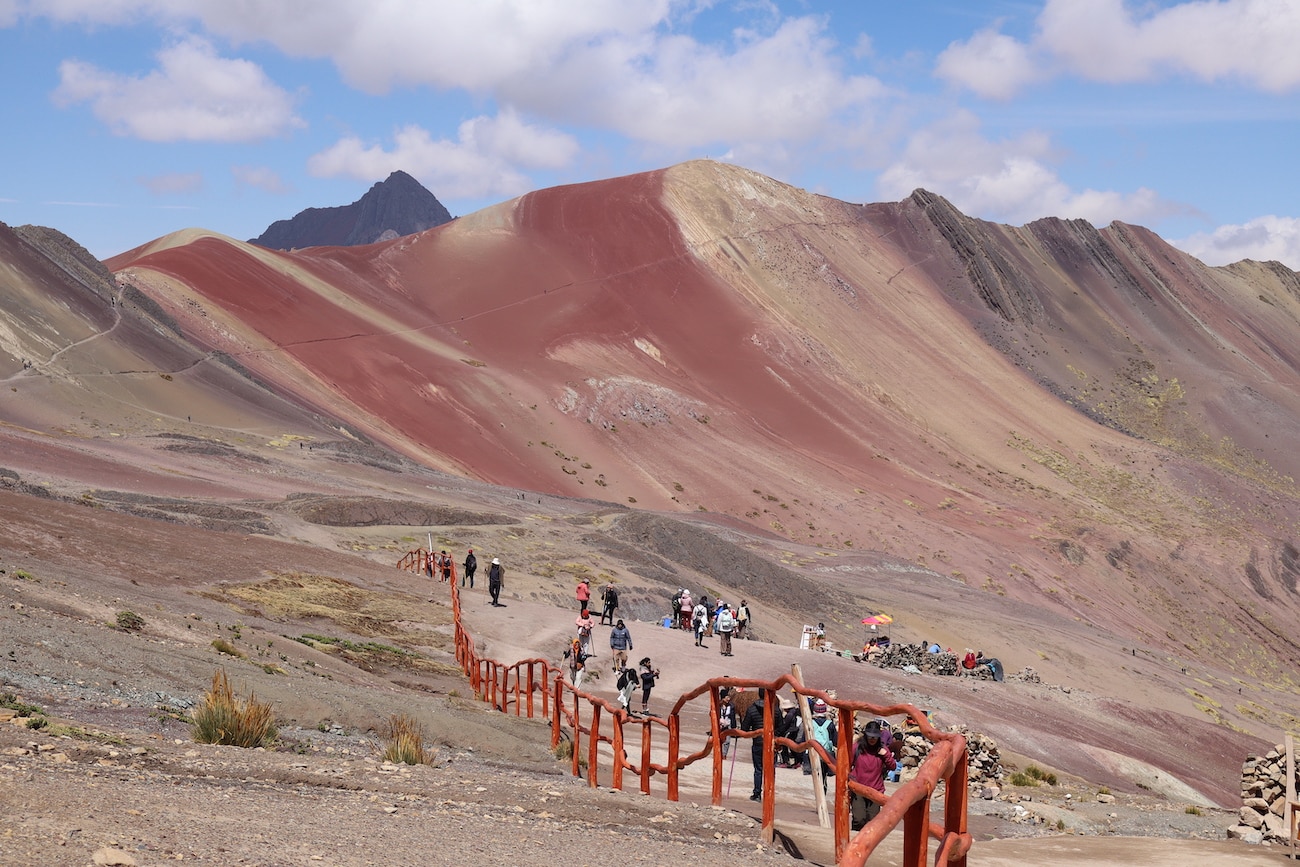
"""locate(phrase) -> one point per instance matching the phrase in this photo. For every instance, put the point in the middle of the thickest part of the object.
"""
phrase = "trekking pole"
(733, 766)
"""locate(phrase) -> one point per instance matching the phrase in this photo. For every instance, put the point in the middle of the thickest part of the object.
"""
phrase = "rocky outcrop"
(1263, 799)
(391, 209)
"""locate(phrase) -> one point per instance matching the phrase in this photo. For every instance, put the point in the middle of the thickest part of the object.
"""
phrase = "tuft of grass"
(21, 708)
(129, 621)
(1193, 810)
(1104, 790)
(1041, 775)
(24, 575)
(222, 718)
(220, 645)
(1060, 824)
(406, 742)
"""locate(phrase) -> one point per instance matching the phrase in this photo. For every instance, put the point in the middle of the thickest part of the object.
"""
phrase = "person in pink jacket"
(871, 761)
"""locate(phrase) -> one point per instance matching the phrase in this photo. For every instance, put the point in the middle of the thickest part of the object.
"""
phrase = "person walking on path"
(444, 563)
(620, 642)
(584, 596)
(824, 732)
(700, 616)
(742, 620)
(753, 722)
(627, 683)
(871, 761)
(610, 599)
(585, 625)
(496, 579)
(649, 674)
(687, 605)
(726, 720)
(471, 566)
(726, 625)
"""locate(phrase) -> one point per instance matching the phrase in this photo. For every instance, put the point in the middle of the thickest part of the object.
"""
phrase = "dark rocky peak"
(397, 206)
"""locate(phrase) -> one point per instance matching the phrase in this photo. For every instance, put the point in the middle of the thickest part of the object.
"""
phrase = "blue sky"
(128, 119)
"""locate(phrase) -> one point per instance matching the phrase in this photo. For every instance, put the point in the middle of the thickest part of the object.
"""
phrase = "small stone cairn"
(983, 765)
(1263, 799)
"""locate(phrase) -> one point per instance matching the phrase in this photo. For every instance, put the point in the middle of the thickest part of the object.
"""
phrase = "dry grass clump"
(406, 742)
(222, 718)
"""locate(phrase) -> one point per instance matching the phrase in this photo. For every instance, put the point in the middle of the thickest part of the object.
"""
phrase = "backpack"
(822, 734)
(626, 677)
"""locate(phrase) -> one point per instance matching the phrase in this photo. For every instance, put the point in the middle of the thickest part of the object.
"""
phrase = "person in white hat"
(496, 578)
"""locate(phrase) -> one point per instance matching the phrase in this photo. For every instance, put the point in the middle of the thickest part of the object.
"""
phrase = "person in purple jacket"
(871, 761)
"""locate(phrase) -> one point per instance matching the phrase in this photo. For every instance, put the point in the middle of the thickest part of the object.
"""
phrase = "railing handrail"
(908, 805)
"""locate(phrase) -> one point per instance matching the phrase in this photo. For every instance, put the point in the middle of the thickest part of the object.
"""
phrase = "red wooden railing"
(517, 684)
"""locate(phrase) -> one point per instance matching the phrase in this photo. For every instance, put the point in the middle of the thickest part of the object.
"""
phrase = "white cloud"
(618, 64)
(259, 177)
(194, 95)
(990, 64)
(174, 183)
(1008, 181)
(1248, 40)
(676, 91)
(1113, 41)
(1264, 239)
(481, 162)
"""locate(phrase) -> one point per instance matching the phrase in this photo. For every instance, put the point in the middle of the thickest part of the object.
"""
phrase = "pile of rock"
(916, 656)
(1263, 797)
(983, 765)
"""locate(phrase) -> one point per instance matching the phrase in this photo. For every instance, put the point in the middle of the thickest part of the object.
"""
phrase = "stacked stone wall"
(1263, 798)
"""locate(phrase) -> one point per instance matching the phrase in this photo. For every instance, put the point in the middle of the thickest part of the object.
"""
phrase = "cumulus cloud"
(1010, 181)
(1263, 239)
(259, 177)
(617, 64)
(1248, 40)
(482, 161)
(990, 64)
(173, 183)
(194, 95)
(674, 90)
(1112, 41)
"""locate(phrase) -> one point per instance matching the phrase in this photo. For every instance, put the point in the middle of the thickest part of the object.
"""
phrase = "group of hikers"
(875, 751)
(440, 565)
(706, 620)
(579, 649)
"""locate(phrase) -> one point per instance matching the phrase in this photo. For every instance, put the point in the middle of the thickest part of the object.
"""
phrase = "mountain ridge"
(392, 208)
(1076, 443)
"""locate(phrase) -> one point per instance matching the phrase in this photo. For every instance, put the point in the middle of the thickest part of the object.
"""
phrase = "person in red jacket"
(871, 761)
(584, 596)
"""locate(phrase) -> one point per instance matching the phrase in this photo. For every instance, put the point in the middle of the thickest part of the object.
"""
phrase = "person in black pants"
(753, 722)
(496, 576)
(471, 566)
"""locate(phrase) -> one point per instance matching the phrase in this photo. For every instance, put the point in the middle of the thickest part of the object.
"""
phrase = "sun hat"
(496, 562)
(872, 729)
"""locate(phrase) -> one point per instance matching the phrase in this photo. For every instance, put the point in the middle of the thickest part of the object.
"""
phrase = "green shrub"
(1193, 811)
(1041, 775)
(1020, 778)
(130, 621)
(221, 718)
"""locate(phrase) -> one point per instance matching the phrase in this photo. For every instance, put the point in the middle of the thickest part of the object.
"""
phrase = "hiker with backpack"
(471, 566)
(825, 733)
(496, 576)
(726, 625)
(742, 620)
